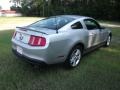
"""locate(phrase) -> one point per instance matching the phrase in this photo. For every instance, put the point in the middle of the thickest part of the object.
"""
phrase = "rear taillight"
(14, 34)
(37, 41)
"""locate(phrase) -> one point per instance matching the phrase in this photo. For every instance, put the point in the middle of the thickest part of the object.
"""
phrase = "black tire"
(108, 41)
(77, 58)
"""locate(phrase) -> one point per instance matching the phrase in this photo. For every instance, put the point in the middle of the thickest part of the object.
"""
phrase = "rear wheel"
(74, 57)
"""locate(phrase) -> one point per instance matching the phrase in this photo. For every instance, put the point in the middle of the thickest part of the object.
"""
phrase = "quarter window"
(77, 25)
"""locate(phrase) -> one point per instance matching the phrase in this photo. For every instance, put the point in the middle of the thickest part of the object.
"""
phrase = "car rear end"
(31, 44)
(42, 41)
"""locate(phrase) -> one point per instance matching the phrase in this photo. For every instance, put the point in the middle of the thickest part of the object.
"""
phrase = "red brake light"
(37, 41)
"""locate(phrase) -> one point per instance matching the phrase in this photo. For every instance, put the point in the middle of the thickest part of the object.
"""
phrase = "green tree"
(100, 9)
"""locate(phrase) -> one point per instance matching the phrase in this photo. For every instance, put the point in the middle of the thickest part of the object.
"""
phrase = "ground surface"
(98, 70)
(12, 22)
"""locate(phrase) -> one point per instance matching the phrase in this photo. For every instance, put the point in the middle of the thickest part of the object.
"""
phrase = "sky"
(5, 4)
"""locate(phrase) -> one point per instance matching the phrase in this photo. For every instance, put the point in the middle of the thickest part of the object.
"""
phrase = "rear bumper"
(50, 54)
(28, 59)
(33, 54)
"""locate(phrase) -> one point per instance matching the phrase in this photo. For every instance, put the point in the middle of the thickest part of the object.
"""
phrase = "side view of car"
(57, 39)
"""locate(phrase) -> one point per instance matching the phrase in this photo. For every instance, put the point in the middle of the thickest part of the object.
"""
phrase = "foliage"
(100, 9)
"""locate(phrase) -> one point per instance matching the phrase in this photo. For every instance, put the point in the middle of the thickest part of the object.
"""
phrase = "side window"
(91, 24)
(77, 25)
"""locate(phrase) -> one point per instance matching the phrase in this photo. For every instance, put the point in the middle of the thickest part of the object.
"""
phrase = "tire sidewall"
(69, 56)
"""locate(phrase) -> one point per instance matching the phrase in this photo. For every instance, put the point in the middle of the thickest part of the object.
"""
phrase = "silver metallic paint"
(59, 44)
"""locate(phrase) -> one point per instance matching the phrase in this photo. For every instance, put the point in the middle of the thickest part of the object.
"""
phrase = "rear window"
(52, 23)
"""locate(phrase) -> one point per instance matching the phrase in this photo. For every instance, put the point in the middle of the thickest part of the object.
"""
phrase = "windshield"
(52, 23)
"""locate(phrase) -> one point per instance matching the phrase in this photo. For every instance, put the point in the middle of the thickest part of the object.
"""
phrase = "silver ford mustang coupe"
(56, 39)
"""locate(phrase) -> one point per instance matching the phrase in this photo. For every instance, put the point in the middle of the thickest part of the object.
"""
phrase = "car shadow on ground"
(45, 67)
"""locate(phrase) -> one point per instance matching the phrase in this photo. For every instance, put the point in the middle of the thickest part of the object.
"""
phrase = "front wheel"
(74, 57)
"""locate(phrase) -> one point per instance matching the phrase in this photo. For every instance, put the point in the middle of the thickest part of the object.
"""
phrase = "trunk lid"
(42, 30)
(23, 34)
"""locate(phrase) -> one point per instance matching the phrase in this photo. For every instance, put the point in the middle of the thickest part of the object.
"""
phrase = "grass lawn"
(99, 70)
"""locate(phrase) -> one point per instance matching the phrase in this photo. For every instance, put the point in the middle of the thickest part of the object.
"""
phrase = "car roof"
(72, 16)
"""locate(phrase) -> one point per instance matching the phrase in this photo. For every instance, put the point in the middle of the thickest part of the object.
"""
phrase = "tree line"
(100, 9)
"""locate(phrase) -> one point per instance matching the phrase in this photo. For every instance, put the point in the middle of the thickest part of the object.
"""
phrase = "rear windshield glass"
(52, 23)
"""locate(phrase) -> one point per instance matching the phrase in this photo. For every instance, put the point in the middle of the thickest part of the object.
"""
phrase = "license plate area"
(19, 50)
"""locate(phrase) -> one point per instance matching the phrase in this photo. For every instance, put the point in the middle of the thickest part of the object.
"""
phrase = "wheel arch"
(72, 48)
(78, 44)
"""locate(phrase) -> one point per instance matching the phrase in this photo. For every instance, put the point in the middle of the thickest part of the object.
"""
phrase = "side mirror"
(102, 27)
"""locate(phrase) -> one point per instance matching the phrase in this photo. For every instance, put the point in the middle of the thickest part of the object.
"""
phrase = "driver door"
(93, 32)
